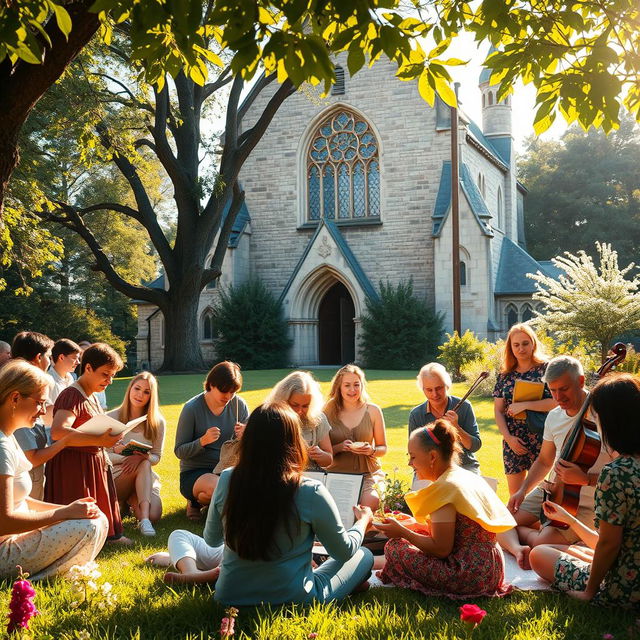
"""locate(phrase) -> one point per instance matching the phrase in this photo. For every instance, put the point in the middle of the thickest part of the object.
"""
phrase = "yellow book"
(526, 391)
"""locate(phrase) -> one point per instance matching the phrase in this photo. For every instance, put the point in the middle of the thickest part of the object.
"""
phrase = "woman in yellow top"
(357, 431)
(452, 550)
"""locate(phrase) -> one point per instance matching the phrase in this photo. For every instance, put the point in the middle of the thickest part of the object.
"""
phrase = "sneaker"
(146, 528)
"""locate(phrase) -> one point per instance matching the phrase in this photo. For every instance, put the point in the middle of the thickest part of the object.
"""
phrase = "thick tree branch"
(73, 220)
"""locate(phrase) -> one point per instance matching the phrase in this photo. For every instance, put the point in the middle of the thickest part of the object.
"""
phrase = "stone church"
(346, 191)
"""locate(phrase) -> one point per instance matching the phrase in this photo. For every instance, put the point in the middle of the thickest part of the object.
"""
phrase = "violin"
(582, 445)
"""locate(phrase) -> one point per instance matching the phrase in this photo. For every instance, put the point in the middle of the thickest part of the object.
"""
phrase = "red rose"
(472, 614)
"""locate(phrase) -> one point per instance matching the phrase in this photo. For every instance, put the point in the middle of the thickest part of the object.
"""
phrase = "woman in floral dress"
(522, 359)
(607, 571)
(452, 549)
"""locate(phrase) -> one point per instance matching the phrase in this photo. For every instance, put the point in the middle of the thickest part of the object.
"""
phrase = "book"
(344, 488)
(526, 391)
(133, 445)
(102, 423)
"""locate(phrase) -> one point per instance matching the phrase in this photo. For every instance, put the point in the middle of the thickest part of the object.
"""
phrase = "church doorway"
(337, 331)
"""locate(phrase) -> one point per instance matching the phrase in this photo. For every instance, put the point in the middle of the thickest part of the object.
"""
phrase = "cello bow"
(582, 445)
(472, 388)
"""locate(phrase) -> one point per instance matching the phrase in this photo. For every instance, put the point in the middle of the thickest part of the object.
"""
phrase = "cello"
(581, 446)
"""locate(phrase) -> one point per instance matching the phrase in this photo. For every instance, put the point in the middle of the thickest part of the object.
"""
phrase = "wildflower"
(312, 635)
(227, 623)
(21, 607)
(83, 635)
(607, 636)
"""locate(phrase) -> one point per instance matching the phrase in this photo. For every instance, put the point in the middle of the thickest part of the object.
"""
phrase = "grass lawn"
(146, 608)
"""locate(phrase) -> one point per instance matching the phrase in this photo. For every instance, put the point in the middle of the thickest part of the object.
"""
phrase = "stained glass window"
(343, 170)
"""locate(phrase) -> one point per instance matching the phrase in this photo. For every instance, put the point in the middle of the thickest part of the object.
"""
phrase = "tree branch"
(225, 233)
(223, 79)
(73, 220)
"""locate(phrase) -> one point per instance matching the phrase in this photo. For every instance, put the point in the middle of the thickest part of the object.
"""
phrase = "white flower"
(92, 586)
(105, 588)
(83, 635)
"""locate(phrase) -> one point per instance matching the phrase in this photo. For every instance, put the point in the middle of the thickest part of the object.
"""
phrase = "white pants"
(54, 549)
(184, 544)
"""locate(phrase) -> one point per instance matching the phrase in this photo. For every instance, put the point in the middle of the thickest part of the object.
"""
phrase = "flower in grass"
(607, 636)
(83, 635)
(21, 607)
(227, 623)
(472, 615)
(312, 635)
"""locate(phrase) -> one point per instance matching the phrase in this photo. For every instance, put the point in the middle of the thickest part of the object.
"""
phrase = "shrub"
(631, 364)
(399, 331)
(490, 361)
(458, 351)
(250, 327)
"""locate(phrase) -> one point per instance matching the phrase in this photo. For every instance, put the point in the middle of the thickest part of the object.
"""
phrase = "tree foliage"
(250, 327)
(582, 58)
(582, 189)
(460, 350)
(587, 302)
(399, 331)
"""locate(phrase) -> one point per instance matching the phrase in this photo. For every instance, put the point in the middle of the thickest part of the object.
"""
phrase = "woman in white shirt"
(136, 482)
(43, 538)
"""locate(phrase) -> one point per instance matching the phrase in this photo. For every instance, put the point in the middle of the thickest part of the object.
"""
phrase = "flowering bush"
(84, 583)
(21, 607)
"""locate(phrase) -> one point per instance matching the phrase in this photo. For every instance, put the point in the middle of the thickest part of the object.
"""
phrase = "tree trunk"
(182, 337)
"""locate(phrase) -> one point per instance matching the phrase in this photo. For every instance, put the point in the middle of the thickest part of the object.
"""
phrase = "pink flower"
(607, 636)
(312, 635)
(226, 627)
(472, 614)
(21, 607)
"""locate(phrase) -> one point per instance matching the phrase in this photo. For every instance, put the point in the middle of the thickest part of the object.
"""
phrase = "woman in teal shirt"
(268, 515)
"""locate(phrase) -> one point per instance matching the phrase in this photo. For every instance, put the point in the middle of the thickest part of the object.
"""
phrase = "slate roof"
(513, 267)
(473, 195)
(345, 249)
(485, 74)
(498, 148)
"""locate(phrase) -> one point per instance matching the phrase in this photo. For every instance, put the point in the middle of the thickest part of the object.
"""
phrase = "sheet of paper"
(102, 423)
(320, 476)
(345, 489)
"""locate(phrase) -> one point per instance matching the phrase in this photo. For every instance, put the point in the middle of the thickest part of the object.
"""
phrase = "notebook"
(526, 391)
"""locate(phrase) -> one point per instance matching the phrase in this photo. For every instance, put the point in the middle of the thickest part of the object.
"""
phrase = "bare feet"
(122, 541)
(522, 557)
(193, 513)
(195, 577)
(160, 559)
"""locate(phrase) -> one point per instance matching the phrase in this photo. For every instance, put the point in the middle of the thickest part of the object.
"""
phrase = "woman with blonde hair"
(523, 358)
(302, 393)
(357, 431)
(136, 482)
(43, 538)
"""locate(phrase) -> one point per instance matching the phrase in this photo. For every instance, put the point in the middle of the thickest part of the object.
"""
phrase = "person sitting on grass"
(44, 538)
(206, 422)
(136, 482)
(607, 571)
(456, 553)
(302, 393)
(268, 542)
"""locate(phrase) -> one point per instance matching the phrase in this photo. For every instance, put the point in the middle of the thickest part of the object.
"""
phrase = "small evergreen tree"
(250, 326)
(460, 350)
(399, 331)
(586, 302)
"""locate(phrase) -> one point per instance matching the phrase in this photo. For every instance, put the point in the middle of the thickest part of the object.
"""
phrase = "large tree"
(583, 59)
(582, 189)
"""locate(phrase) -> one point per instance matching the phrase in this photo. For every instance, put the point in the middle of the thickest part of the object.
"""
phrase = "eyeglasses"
(41, 404)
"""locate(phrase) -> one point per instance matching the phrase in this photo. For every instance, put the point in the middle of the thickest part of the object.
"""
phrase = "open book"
(344, 488)
(133, 445)
(102, 423)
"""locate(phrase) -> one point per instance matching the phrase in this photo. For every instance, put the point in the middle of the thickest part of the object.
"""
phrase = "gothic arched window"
(527, 312)
(343, 170)
(512, 315)
(207, 325)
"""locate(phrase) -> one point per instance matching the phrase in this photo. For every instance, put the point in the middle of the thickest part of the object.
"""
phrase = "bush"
(490, 361)
(631, 364)
(250, 327)
(399, 331)
(459, 351)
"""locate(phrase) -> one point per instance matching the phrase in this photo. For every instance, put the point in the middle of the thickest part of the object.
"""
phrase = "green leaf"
(355, 59)
(63, 20)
